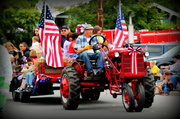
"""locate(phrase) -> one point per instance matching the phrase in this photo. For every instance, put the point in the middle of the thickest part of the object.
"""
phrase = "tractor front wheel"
(139, 95)
(128, 98)
(70, 88)
(149, 86)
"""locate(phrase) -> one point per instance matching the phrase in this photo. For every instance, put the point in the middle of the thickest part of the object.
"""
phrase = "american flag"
(50, 39)
(121, 32)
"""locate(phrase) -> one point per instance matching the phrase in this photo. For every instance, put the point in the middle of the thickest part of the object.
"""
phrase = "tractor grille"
(126, 63)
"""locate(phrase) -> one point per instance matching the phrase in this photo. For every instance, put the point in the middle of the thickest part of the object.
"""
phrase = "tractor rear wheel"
(90, 95)
(15, 95)
(85, 95)
(139, 98)
(128, 98)
(70, 88)
(149, 86)
(24, 96)
(95, 95)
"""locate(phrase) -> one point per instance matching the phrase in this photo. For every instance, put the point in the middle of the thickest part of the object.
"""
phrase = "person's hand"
(167, 67)
(105, 43)
(88, 47)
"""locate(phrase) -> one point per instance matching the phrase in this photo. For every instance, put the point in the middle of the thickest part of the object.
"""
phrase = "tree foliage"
(18, 14)
(144, 15)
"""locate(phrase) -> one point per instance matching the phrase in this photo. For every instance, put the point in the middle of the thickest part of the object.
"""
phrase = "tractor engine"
(126, 64)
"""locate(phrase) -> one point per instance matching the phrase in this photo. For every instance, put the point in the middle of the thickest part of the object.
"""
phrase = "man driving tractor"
(86, 52)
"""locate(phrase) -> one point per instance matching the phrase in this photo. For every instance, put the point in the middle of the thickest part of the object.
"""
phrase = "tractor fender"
(79, 68)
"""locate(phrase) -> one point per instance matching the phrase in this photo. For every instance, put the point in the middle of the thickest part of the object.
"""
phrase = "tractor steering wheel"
(96, 45)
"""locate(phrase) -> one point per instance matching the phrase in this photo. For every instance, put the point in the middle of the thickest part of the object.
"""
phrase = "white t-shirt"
(65, 47)
(35, 45)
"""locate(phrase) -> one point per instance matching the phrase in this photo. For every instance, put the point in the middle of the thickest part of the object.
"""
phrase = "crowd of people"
(167, 77)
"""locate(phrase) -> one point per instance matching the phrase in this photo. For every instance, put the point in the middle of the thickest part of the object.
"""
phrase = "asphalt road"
(49, 107)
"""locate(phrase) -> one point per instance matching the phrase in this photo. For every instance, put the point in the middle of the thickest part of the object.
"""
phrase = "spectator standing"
(13, 51)
(5, 78)
(85, 51)
(24, 52)
(14, 54)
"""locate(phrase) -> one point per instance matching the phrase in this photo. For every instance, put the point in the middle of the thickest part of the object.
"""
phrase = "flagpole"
(44, 4)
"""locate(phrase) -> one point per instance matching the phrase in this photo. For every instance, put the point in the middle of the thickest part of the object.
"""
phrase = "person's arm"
(79, 50)
(26, 54)
(87, 47)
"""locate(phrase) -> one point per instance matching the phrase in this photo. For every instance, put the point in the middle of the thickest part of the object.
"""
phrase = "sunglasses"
(63, 30)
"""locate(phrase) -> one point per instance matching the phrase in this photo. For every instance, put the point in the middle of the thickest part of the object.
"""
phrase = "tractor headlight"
(116, 54)
(146, 54)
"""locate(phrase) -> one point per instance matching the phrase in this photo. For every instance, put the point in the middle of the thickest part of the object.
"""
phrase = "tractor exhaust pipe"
(130, 30)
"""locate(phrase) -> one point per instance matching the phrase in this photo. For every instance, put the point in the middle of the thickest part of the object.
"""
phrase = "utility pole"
(100, 13)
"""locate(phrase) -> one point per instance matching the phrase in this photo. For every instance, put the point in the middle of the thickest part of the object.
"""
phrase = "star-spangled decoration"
(118, 21)
(48, 13)
(41, 21)
(121, 32)
(50, 39)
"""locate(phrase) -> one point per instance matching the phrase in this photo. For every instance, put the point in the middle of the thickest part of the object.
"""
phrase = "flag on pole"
(50, 39)
(121, 32)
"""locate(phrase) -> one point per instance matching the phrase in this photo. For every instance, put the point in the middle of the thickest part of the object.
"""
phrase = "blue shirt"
(63, 40)
(81, 41)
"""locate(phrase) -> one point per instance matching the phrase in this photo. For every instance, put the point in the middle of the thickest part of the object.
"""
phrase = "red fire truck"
(150, 37)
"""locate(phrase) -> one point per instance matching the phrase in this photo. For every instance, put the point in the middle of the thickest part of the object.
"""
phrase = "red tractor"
(126, 73)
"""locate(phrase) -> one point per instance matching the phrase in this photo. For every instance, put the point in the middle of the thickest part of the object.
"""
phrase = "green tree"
(18, 14)
(144, 15)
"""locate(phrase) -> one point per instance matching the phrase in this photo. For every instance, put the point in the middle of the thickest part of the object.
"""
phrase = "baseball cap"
(64, 27)
(88, 26)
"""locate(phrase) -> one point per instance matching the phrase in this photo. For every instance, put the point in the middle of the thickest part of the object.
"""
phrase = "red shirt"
(71, 48)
